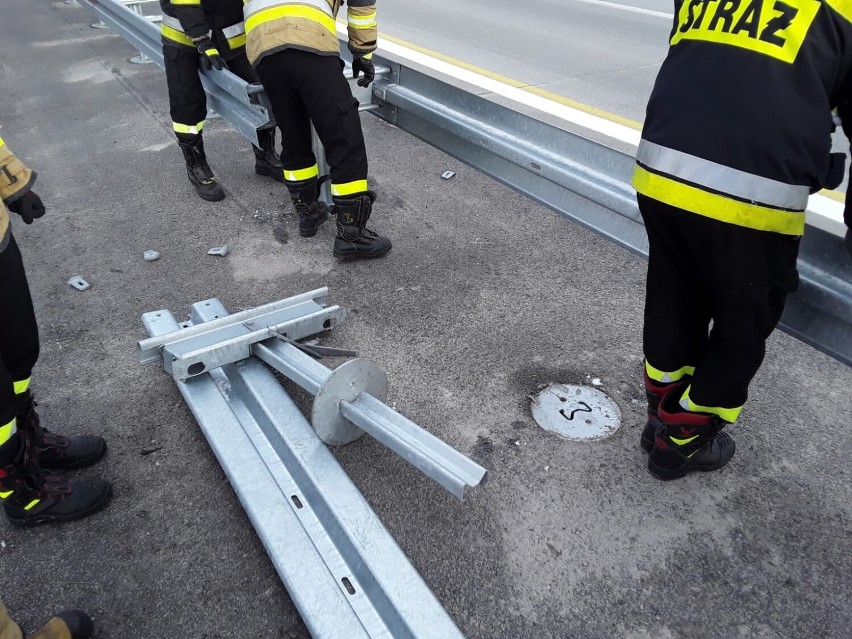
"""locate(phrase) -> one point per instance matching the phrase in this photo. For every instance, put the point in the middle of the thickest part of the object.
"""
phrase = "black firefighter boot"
(354, 239)
(687, 442)
(32, 496)
(266, 160)
(197, 169)
(55, 451)
(305, 197)
(655, 391)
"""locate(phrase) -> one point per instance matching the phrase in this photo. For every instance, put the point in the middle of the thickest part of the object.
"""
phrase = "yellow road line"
(518, 85)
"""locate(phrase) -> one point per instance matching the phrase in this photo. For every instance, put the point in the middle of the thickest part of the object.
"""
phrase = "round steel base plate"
(576, 412)
(346, 382)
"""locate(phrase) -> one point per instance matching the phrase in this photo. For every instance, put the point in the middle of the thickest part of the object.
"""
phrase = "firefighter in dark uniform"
(211, 32)
(31, 496)
(293, 45)
(737, 135)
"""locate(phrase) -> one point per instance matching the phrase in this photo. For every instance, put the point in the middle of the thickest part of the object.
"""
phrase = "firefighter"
(294, 47)
(68, 624)
(737, 135)
(31, 495)
(210, 32)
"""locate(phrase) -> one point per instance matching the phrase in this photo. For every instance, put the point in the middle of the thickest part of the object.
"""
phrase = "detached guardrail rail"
(585, 180)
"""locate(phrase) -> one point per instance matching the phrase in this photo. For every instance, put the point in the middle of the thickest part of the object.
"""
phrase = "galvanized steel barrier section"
(344, 571)
(583, 179)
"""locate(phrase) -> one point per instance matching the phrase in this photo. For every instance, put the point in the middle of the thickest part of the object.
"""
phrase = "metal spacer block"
(346, 383)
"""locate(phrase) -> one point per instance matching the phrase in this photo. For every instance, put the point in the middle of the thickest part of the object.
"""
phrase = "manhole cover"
(576, 412)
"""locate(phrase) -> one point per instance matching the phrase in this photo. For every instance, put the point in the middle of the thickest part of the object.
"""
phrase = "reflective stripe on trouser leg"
(728, 414)
(297, 175)
(664, 377)
(348, 189)
(187, 100)
(22, 386)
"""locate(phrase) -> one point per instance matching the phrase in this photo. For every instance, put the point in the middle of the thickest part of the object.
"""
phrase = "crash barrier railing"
(585, 180)
(343, 570)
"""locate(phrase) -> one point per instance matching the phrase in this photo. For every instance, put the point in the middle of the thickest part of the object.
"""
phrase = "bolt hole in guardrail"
(348, 585)
(296, 501)
(576, 412)
(195, 369)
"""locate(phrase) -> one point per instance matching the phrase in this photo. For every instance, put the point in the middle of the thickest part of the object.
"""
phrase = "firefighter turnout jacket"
(738, 126)
(222, 20)
(15, 180)
(274, 25)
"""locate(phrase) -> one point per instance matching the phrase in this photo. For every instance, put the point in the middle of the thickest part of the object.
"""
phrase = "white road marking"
(627, 7)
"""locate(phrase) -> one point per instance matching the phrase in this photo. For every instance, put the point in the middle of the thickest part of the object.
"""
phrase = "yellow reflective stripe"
(367, 21)
(177, 36)
(188, 128)
(301, 174)
(683, 442)
(718, 207)
(211, 52)
(7, 430)
(237, 41)
(2, 142)
(22, 386)
(5, 495)
(664, 376)
(342, 190)
(196, 3)
(843, 7)
(369, 56)
(292, 11)
(30, 505)
(728, 414)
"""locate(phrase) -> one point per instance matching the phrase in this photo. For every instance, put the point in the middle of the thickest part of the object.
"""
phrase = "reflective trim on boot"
(354, 239)
(50, 450)
(687, 442)
(32, 496)
(198, 171)
(266, 160)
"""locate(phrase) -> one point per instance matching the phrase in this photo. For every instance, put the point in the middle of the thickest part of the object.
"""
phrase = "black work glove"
(29, 206)
(365, 64)
(210, 54)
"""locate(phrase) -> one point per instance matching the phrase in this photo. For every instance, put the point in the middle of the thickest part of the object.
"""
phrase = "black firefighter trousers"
(307, 88)
(187, 100)
(19, 345)
(702, 270)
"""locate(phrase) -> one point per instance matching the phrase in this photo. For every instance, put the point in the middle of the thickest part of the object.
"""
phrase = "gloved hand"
(29, 206)
(365, 64)
(210, 54)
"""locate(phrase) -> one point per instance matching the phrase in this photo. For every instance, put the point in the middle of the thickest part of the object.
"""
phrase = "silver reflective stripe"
(174, 23)
(721, 178)
(259, 5)
(234, 30)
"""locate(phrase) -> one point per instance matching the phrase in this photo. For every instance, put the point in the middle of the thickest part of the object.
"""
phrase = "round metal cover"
(346, 382)
(576, 412)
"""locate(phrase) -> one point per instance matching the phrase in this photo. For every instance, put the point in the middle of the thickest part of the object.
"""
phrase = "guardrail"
(585, 180)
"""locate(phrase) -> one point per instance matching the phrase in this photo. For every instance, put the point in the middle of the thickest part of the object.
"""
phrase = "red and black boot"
(654, 391)
(687, 442)
(32, 496)
(55, 451)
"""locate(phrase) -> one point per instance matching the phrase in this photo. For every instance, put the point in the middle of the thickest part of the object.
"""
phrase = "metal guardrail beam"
(344, 571)
(589, 183)
(586, 181)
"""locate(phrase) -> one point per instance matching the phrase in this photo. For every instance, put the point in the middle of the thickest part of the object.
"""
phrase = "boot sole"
(48, 519)
(354, 255)
(211, 199)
